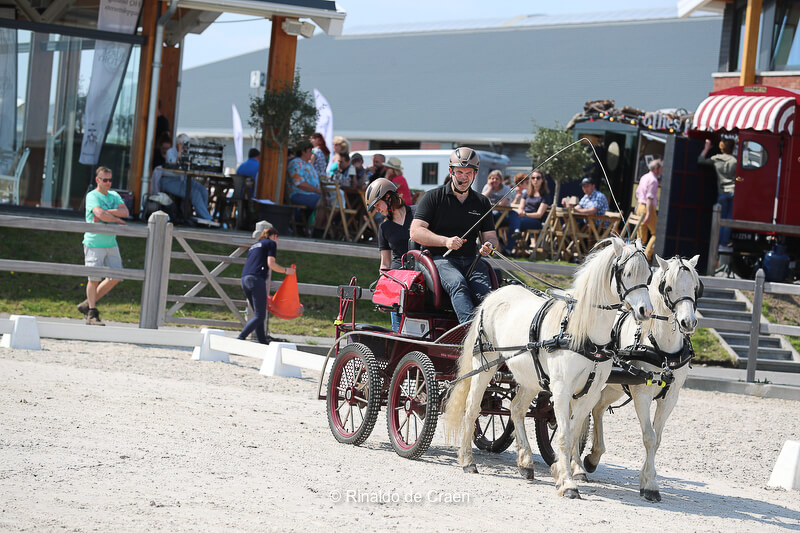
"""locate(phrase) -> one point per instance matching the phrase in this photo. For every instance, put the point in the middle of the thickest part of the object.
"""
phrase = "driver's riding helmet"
(378, 190)
(466, 158)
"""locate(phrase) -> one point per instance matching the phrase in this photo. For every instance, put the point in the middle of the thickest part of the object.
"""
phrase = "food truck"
(761, 120)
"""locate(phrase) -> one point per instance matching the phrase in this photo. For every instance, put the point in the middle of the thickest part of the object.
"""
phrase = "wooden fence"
(156, 273)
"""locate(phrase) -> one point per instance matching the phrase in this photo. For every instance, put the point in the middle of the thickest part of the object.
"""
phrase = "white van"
(426, 169)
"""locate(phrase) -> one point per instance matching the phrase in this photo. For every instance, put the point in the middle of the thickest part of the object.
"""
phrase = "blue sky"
(234, 35)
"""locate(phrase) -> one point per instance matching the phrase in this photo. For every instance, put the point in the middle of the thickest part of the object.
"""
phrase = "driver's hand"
(486, 249)
(454, 243)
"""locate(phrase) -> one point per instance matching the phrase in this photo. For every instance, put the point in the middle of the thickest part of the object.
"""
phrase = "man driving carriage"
(441, 222)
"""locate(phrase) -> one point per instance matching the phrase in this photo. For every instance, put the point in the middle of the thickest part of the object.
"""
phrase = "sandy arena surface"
(113, 437)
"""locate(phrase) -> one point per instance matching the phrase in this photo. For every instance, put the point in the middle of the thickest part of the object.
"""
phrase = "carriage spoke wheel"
(546, 431)
(495, 432)
(413, 406)
(353, 400)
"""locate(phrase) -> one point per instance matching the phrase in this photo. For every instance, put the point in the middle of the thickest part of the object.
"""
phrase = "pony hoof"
(581, 477)
(650, 495)
(572, 494)
(471, 469)
(526, 472)
(588, 465)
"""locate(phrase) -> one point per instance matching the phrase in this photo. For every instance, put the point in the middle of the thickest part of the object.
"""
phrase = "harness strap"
(677, 359)
(588, 384)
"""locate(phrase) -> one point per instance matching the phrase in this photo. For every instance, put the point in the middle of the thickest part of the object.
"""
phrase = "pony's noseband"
(664, 290)
(618, 269)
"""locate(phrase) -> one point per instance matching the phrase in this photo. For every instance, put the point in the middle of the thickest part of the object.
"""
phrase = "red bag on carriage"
(285, 303)
(391, 282)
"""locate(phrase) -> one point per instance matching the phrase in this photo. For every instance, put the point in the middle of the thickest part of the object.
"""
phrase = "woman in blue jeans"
(531, 208)
(260, 261)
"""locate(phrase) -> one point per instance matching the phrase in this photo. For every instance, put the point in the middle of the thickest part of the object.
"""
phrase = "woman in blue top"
(530, 211)
(393, 233)
(260, 260)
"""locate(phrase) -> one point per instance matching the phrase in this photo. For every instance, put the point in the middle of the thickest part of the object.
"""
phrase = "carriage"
(408, 372)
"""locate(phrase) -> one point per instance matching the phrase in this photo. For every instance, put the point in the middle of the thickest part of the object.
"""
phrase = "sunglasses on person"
(105, 180)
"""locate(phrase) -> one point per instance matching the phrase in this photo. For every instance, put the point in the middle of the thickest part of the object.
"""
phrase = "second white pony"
(576, 369)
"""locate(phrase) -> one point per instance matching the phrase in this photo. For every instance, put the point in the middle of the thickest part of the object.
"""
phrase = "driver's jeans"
(464, 294)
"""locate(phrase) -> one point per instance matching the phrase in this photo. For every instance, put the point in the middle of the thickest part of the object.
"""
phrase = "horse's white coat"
(506, 317)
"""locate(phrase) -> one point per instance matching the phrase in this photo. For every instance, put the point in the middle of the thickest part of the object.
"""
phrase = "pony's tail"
(453, 416)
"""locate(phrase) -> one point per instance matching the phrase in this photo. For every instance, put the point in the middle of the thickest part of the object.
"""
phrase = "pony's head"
(676, 288)
(613, 272)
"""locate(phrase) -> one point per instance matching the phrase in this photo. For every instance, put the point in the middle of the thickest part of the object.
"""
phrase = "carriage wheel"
(495, 433)
(413, 406)
(353, 400)
(546, 431)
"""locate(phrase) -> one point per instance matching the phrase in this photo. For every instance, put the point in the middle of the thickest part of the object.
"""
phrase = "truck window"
(754, 156)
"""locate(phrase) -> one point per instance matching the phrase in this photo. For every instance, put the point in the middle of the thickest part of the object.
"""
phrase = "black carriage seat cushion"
(433, 283)
(372, 327)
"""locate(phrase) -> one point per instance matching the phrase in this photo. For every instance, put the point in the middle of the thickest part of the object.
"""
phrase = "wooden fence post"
(154, 272)
(755, 326)
(713, 241)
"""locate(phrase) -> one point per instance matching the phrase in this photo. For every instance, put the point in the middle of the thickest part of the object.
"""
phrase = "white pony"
(610, 275)
(674, 291)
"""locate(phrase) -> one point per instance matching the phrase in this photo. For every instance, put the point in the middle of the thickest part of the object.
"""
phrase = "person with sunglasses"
(103, 206)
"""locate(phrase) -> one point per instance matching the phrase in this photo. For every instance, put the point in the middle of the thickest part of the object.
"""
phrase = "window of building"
(786, 47)
(44, 83)
(430, 173)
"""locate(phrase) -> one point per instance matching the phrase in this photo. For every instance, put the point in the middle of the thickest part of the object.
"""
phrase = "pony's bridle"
(618, 269)
(664, 290)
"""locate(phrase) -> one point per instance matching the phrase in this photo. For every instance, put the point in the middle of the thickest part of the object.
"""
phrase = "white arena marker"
(786, 473)
(24, 334)
(204, 351)
(273, 362)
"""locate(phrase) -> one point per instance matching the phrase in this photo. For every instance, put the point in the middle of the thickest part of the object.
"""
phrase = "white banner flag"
(108, 69)
(8, 97)
(237, 135)
(325, 120)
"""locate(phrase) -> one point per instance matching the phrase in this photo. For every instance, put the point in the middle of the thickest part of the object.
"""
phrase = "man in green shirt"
(103, 206)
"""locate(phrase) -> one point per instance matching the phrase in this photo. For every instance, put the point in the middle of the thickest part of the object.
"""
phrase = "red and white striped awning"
(761, 113)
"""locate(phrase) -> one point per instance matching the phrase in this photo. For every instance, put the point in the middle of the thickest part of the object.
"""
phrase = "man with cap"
(593, 202)
(441, 223)
(394, 173)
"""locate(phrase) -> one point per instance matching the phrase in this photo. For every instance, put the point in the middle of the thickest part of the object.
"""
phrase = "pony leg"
(519, 409)
(472, 408)
(580, 413)
(562, 473)
(641, 400)
(609, 395)
(649, 488)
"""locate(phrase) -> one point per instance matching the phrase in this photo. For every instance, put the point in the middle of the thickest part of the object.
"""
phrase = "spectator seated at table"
(593, 202)
(302, 180)
(358, 179)
(320, 155)
(531, 209)
(250, 167)
(175, 184)
(496, 191)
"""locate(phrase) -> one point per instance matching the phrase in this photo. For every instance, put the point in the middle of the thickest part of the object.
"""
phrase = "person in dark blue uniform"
(260, 261)
(393, 233)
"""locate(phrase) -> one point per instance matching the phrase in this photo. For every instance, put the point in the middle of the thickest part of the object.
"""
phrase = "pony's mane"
(592, 285)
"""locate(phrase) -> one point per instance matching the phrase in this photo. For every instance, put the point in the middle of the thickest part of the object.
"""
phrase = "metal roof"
(472, 85)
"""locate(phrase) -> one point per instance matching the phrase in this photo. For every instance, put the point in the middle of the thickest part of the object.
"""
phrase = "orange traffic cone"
(285, 303)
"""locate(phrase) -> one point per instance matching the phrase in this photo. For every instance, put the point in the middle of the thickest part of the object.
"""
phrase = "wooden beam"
(168, 84)
(750, 45)
(149, 17)
(280, 71)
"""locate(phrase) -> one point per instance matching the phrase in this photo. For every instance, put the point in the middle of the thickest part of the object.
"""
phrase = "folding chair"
(333, 203)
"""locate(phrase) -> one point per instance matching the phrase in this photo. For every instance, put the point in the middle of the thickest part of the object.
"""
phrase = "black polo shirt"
(448, 217)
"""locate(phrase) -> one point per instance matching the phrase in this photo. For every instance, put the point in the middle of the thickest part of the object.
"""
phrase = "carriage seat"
(435, 295)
